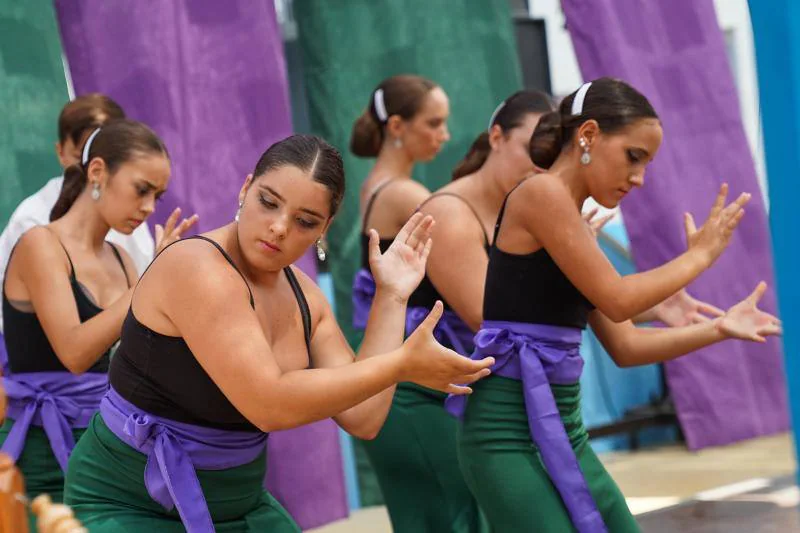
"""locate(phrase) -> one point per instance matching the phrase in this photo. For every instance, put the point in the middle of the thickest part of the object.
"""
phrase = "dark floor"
(743, 487)
(761, 511)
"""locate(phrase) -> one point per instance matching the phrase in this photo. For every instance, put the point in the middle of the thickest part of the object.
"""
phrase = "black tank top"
(531, 288)
(26, 342)
(159, 373)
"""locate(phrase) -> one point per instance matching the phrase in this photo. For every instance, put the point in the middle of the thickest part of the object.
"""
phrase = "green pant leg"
(105, 488)
(38, 465)
(505, 472)
(416, 463)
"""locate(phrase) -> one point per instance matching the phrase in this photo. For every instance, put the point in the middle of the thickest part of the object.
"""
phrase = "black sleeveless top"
(159, 374)
(425, 294)
(531, 288)
(26, 342)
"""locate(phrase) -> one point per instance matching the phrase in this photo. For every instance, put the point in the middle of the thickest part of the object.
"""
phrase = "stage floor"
(746, 487)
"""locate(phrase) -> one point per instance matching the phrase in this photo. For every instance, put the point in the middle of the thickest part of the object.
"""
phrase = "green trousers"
(105, 488)
(38, 465)
(415, 460)
(504, 470)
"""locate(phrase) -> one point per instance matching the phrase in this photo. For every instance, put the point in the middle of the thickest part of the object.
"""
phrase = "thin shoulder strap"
(228, 258)
(305, 312)
(474, 212)
(371, 201)
(503, 210)
(121, 263)
(71, 266)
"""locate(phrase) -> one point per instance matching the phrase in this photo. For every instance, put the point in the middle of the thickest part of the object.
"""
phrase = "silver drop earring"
(238, 212)
(95, 191)
(586, 157)
(398, 142)
(321, 254)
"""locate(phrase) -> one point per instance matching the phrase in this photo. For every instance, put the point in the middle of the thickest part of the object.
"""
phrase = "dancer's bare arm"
(632, 346)
(44, 270)
(209, 306)
(557, 226)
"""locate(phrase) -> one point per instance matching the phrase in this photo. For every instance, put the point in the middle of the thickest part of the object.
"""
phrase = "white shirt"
(35, 211)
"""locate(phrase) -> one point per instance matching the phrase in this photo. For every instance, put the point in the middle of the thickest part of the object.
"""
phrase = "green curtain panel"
(32, 91)
(348, 47)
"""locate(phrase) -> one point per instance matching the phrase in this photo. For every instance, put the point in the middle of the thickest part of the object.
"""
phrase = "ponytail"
(74, 183)
(510, 114)
(116, 143)
(475, 158)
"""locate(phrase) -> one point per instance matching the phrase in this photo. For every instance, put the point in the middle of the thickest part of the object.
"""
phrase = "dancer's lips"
(268, 246)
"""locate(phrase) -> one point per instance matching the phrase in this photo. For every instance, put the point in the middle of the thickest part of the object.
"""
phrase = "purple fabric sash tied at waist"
(174, 450)
(363, 294)
(451, 331)
(58, 402)
(540, 355)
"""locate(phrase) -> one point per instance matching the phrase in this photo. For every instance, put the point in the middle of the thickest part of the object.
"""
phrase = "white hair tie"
(494, 115)
(87, 146)
(380, 106)
(580, 96)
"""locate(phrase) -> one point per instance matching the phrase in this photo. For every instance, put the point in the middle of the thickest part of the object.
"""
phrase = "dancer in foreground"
(225, 341)
(522, 447)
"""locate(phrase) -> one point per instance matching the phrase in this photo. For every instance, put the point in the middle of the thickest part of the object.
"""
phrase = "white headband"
(380, 106)
(494, 115)
(87, 145)
(580, 96)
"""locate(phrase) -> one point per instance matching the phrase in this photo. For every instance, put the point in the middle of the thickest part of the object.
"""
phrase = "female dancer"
(65, 294)
(466, 210)
(404, 123)
(522, 448)
(225, 341)
(414, 454)
(77, 120)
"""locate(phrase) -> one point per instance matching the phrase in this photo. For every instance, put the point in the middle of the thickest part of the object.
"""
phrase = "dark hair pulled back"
(612, 103)
(403, 95)
(511, 114)
(116, 143)
(311, 154)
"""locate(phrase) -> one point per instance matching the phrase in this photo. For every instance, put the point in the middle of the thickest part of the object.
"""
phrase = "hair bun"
(367, 136)
(547, 140)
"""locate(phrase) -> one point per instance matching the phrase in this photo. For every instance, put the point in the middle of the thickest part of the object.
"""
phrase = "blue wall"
(776, 32)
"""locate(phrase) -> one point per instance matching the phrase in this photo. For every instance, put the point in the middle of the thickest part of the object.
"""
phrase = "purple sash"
(174, 450)
(3, 354)
(363, 294)
(451, 330)
(539, 355)
(55, 401)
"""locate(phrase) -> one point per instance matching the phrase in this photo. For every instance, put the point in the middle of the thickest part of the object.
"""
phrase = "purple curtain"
(210, 78)
(674, 52)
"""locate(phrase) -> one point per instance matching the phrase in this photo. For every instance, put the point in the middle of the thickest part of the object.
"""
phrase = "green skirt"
(505, 471)
(38, 465)
(415, 460)
(105, 488)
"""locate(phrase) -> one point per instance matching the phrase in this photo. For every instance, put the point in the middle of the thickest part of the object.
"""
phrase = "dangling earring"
(398, 142)
(586, 157)
(238, 211)
(95, 191)
(321, 254)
